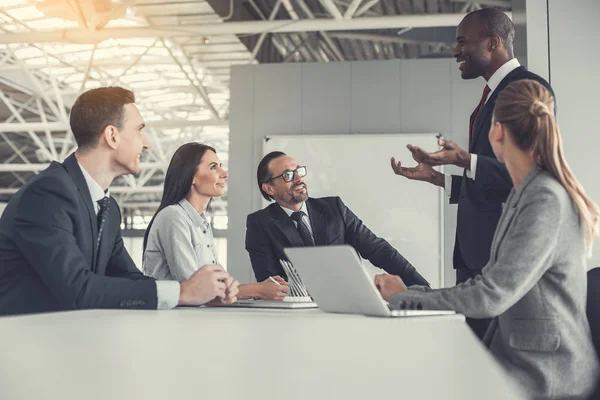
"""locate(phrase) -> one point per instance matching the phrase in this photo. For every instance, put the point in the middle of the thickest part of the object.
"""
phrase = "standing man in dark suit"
(60, 235)
(296, 220)
(484, 49)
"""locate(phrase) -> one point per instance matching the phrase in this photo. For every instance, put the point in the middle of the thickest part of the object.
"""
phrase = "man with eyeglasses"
(296, 220)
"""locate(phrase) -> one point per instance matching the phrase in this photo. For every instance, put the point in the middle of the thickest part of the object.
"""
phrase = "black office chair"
(593, 314)
(593, 306)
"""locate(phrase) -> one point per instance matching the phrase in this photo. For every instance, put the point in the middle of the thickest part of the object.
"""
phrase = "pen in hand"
(274, 281)
(441, 140)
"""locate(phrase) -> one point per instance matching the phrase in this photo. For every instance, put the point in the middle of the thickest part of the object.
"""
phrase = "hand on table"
(270, 290)
(206, 284)
(389, 285)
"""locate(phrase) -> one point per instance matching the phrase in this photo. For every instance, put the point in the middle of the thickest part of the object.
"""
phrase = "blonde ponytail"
(527, 109)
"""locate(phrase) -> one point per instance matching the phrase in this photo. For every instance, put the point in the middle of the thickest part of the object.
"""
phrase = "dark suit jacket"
(480, 200)
(49, 260)
(270, 230)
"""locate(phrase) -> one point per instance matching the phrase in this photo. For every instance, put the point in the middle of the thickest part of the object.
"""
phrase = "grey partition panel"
(425, 96)
(326, 98)
(241, 176)
(277, 99)
(375, 96)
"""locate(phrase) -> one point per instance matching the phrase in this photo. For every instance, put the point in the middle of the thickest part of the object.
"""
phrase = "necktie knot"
(297, 215)
(103, 203)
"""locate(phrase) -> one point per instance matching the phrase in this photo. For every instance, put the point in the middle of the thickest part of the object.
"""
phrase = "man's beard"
(297, 197)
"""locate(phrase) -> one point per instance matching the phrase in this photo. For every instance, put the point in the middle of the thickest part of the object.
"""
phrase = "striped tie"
(305, 234)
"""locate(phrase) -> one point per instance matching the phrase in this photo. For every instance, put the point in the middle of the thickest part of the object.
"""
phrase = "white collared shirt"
(492, 83)
(180, 242)
(167, 292)
(500, 74)
(304, 217)
(96, 191)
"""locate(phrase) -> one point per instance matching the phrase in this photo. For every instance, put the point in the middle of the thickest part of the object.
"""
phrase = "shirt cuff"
(448, 184)
(471, 173)
(168, 294)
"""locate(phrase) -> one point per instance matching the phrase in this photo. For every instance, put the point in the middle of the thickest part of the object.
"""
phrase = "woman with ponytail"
(179, 239)
(534, 286)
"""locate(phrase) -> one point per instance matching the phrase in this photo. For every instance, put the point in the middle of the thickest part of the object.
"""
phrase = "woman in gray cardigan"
(534, 286)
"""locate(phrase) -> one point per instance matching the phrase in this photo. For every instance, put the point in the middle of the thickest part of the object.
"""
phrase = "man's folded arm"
(377, 250)
(264, 263)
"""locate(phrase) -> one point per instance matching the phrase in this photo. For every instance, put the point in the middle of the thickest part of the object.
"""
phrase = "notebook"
(297, 298)
(253, 303)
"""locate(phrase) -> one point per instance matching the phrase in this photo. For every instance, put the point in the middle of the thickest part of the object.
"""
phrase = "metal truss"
(179, 97)
(176, 57)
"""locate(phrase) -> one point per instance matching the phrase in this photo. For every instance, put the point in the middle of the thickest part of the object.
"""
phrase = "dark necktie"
(305, 234)
(486, 91)
(102, 214)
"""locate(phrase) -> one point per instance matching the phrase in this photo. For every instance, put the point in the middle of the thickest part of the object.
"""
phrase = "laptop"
(338, 282)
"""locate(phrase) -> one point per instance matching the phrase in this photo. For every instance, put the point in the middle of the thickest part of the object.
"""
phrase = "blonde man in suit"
(534, 286)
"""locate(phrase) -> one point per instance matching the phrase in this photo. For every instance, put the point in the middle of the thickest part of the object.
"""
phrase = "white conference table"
(226, 353)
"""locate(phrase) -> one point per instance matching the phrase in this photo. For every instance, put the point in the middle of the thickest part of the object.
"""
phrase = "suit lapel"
(318, 222)
(74, 171)
(510, 210)
(481, 118)
(488, 107)
(286, 226)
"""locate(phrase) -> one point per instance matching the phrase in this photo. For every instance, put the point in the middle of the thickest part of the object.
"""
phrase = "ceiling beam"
(245, 28)
(36, 167)
(384, 38)
(494, 3)
(352, 9)
(62, 127)
(332, 8)
(113, 189)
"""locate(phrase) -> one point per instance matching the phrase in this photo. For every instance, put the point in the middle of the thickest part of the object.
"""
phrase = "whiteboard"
(408, 214)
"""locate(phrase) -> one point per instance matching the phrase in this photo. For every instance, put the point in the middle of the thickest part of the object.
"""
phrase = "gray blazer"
(534, 286)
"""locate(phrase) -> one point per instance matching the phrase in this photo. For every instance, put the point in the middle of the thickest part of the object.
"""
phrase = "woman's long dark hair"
(179, 177)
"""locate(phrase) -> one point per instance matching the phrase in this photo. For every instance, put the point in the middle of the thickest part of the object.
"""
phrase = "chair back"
(593, 306)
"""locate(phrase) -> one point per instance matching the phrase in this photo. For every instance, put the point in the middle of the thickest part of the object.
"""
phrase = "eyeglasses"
(288, 176)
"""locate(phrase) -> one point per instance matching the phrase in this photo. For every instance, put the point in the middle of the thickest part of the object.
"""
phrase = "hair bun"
(539, 109)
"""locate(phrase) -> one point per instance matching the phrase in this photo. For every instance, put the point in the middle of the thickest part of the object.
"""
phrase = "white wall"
(575, 78)
(356, 97)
